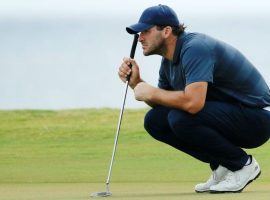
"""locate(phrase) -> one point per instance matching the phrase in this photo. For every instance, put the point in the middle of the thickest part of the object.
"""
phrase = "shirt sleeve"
(198, 63)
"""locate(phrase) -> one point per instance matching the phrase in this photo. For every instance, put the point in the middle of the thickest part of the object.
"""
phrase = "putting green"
(65, 155)
(125, 191)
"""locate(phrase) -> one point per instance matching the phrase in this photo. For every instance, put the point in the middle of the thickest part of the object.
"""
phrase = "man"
(209, 101)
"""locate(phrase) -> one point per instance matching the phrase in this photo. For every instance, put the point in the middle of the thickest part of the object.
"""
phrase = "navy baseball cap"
(155, 15)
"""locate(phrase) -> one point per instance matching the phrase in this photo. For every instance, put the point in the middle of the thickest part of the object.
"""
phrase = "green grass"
(65, 155)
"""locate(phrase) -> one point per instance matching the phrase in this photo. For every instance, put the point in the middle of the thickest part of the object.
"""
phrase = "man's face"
(152, 41)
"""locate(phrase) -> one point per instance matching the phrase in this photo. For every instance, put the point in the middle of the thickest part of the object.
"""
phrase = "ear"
(167, 31)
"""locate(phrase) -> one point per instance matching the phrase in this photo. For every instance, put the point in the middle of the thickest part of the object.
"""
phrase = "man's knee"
(149, 120)
(156, 122)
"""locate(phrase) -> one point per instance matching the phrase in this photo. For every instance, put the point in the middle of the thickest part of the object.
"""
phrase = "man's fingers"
(124, 71)
(124, 68)
(132, 62)
(123, 75)
(129, 61)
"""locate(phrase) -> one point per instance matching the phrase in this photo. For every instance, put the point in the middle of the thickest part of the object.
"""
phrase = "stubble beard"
(159, 48)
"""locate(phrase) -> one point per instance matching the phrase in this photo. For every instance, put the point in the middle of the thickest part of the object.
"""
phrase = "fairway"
(65, 155)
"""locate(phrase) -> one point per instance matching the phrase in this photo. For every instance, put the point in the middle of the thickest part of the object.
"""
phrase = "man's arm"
(191, 100)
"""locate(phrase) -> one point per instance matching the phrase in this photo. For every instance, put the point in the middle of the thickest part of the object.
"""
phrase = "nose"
(140, 37)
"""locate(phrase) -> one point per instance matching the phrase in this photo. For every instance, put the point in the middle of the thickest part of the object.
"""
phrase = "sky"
(50, 49)
(120, 7)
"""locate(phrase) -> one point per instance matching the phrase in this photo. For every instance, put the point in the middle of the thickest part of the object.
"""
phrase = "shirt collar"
(178, 47)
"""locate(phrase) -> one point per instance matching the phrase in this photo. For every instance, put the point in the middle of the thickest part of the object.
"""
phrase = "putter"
(107, 192)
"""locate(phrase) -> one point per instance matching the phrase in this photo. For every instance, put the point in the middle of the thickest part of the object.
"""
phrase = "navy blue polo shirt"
(230, 76)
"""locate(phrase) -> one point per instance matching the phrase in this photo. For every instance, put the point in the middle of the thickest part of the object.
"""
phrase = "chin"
(147, 53)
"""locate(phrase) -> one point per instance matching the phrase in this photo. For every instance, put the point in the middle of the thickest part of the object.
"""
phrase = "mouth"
(144, 46)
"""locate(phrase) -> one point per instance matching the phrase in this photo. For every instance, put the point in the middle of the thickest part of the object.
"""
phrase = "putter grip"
(132, 52)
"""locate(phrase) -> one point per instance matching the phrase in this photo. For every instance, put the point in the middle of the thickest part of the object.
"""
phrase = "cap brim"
(139, 27)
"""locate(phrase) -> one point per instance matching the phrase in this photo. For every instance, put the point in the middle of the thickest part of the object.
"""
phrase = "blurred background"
(58, 54)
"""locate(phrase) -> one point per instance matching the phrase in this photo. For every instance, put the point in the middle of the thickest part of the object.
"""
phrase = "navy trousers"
(215, 135)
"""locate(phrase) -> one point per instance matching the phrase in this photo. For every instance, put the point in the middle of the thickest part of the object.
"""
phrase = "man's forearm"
(174, 99)
(155, 96)
(191, 100)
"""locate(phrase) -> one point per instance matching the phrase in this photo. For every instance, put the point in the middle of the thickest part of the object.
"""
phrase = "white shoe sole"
(202, 191)
(239, 190)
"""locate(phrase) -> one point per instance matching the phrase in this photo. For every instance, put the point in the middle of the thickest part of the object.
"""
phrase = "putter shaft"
(108, 193)
(117, 135)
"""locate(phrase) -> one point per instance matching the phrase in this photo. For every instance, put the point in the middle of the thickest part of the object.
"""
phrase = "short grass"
(65, 155)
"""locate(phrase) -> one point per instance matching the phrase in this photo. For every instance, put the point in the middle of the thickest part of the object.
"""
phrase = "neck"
(170, 47)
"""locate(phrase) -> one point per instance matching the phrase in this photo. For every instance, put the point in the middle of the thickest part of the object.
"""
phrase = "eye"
(146, 31)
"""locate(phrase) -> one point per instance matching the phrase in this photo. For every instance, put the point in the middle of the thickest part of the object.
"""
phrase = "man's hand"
(124, 71)
(144, 92)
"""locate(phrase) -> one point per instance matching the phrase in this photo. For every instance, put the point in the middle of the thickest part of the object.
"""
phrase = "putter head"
(101, 194)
